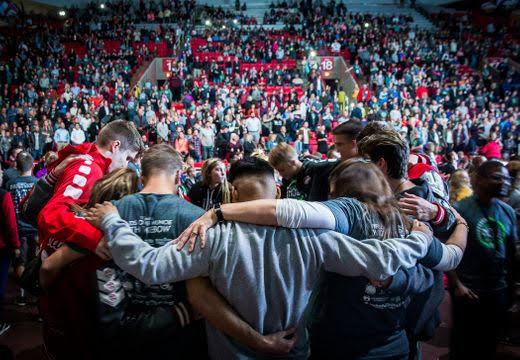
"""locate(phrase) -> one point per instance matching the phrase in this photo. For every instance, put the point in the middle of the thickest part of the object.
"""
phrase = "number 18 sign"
(327, 63)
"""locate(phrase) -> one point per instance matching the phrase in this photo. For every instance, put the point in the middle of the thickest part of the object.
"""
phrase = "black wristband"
(218, 212)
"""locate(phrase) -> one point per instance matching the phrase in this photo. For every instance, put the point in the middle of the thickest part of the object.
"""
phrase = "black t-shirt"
(312, 181)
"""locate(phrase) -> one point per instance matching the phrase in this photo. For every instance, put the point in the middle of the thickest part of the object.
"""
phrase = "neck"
(399, 185)
(213, 185)
(160, 184)
(27, 173)
(103, 151)
(483, 198)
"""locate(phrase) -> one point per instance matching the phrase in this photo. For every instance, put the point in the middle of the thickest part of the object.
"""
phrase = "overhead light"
(62, 13)
(208, 23)
(313, 53)
(101, 6)
(223, 26)
(235, 21)
(367, 24)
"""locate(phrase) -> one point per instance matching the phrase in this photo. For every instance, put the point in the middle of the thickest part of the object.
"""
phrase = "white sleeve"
(451, 257)
(291, 213)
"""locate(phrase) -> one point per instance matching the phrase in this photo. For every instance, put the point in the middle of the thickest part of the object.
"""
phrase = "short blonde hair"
(282, 153)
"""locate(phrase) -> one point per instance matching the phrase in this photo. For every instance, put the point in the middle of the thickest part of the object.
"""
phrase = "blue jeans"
(208, 152)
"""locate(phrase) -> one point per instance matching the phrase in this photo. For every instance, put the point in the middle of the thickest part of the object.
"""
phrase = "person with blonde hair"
(214, 188)
(112, 186)
(460, 186)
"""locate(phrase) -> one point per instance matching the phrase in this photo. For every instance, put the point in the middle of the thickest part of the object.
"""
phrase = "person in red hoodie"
(117, 143)
(9, 245)
(493, 148)
(67, 327)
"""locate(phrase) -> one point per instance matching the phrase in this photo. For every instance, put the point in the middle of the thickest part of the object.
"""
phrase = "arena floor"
(25, 341)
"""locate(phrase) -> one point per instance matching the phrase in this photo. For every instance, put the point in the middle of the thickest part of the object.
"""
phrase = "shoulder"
(344, 203)
(464, 203)
(506, 208)
(128, 199)
(4, 195)
(312, 165)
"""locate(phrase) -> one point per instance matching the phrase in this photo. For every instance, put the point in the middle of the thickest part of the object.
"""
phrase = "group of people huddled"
(207, 216)
(344, 259)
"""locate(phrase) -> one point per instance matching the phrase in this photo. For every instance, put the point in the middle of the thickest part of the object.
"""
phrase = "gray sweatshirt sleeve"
(291, 213)
(148, 264)
(372, 258)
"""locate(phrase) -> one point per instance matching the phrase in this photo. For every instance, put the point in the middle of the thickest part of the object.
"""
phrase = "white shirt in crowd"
(395, 115)
(253, 124)
(85, 122)
(77, 136)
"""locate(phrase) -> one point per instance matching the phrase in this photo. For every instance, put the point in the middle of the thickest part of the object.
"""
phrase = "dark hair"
(24, 161)
(374, 127)
(124, 131)
(391, 148)
(161, 158)
(13, 149)
(251, 166)
(487, 167)
(350, 128)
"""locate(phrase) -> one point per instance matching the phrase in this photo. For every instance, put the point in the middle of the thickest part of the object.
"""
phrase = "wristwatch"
(218, 212)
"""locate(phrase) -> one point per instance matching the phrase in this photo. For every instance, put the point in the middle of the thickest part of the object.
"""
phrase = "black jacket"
(202, 196)
(32, 141)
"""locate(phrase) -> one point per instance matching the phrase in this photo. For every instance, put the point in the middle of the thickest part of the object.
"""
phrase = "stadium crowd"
(270, 179)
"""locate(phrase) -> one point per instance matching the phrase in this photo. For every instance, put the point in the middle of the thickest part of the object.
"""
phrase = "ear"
(115, 145)
(381, 163)
(278, 193)
(177, 178)
(234, 194)
(143, 180)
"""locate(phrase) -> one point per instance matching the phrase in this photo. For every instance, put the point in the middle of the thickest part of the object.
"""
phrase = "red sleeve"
(484, 149)
(9, 215)
(73, 186)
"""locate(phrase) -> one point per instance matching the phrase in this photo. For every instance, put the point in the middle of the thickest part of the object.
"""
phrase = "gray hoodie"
(266, 273)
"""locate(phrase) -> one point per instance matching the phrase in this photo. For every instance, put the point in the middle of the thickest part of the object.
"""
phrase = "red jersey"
(56, 222)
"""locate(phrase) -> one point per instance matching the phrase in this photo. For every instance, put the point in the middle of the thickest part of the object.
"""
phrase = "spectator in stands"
(207, 139)
(19, 187)
(36, 142)
(61, 136)
(492, 149)
(214, 188)
(460, 186)
(77, 135)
